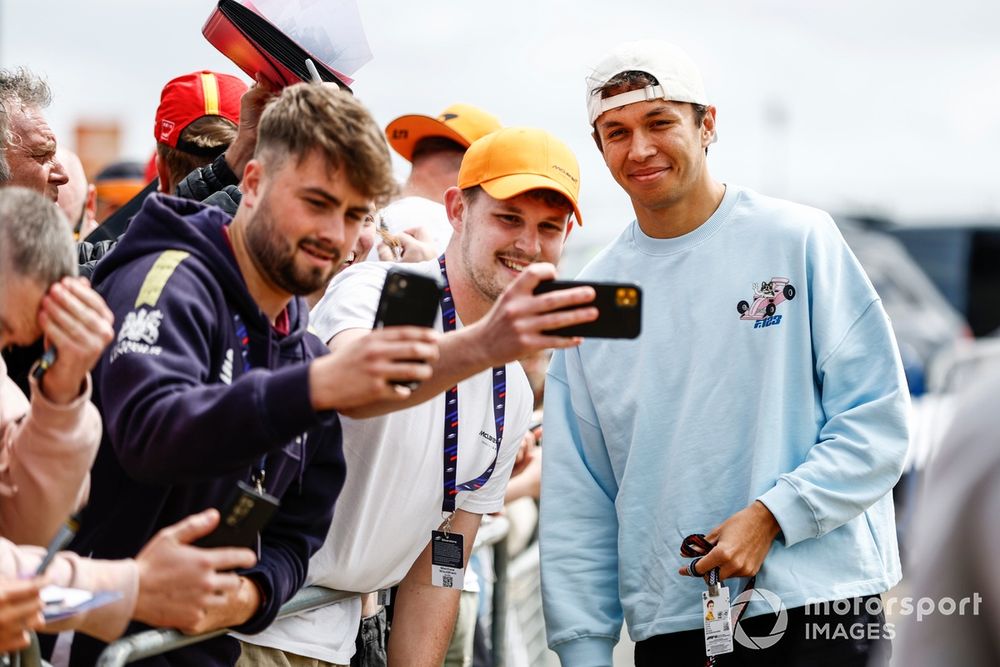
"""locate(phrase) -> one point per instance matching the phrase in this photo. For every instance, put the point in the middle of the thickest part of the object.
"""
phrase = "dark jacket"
(214, 184)
(184, 422)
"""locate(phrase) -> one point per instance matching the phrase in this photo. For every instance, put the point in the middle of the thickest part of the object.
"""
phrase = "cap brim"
(417, 127)
(507, 187)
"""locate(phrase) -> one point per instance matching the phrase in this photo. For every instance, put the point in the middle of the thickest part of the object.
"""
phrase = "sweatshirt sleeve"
(67, 569)
(160, 400)
(46, 451)
(583, 614)
(297, 530)
(861, 448)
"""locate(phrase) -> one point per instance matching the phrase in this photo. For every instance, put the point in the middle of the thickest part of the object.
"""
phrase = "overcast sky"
(890, 106)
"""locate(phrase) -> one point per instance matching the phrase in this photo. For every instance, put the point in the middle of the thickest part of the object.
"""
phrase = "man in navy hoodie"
(213, 379)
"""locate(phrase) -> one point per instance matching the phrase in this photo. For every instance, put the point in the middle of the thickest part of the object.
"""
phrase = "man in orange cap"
(515, 198)
(434, 146)
(115, 185)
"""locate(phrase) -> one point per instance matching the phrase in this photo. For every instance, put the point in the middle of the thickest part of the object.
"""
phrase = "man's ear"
(454, 205)
(163, 174)
(253, 174)
(90, 203)
(708, 127)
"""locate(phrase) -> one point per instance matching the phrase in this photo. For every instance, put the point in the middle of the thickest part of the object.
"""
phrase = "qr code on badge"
(447, 581)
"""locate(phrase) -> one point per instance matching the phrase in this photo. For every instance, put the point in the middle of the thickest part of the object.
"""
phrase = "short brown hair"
(308, 117)
(428, 146)
(209, 132)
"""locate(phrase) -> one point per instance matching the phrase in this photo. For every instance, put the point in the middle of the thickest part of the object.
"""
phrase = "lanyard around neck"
(450, 457)
(244, 340)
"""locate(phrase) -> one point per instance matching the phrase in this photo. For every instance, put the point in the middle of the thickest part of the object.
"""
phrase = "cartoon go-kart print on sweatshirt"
(766, 298)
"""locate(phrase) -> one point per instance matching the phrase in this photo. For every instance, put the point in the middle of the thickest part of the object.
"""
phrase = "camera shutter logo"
(777, 607)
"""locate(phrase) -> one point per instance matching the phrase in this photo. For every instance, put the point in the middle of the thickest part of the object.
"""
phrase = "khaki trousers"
(263, 656)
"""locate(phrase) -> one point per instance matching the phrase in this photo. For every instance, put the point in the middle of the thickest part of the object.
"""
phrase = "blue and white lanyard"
(450, 458)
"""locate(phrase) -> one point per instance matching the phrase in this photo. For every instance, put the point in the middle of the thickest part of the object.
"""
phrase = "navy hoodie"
(183, 420)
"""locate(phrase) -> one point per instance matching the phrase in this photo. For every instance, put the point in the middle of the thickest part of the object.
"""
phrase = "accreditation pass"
(447, 559)
(718, 625)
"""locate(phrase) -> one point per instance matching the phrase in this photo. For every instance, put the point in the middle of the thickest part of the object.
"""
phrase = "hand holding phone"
(242, 519)
(408, 299)
(619, 306)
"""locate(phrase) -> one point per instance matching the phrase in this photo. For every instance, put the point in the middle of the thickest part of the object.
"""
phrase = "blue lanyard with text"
(450, 459)
(244, 339)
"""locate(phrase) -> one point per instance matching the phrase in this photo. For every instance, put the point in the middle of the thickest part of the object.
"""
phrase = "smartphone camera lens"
(626, 297)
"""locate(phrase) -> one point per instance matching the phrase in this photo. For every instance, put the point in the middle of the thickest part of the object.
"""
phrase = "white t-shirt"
(410, 212)
(392, 496)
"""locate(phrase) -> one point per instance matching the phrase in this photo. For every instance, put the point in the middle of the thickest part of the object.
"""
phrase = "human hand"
(361, 370)
(20, 611)
(416, 245)
(251, 107)
(741, 543)
(190, 588)
(78, 324)
(512, 329)
(525, 454)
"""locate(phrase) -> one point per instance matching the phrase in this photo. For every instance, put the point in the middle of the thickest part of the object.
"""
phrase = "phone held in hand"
(619, 308)
(408, 299)
(242, 519)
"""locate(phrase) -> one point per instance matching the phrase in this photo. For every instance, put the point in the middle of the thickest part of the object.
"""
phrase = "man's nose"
(642, 147)
(57, 175)
(528, 241)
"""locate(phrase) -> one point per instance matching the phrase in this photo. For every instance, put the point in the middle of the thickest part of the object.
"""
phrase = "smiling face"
(499, 237)
(655, 150)
(364, 244)
(32, 153)
(304, 220)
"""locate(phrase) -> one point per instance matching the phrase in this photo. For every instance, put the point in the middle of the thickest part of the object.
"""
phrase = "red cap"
(187, 98)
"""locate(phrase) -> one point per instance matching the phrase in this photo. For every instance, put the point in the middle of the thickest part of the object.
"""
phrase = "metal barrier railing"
(31, 656)
(154, 642)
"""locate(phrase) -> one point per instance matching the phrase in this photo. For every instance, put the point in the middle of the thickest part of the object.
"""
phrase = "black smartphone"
(408, 298)
(619, 308)
(243, 517)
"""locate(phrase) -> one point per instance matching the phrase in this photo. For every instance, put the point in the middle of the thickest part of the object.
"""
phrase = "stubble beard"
(275, 257)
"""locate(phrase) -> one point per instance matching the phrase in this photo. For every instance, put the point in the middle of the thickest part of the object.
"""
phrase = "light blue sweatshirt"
(716, 404)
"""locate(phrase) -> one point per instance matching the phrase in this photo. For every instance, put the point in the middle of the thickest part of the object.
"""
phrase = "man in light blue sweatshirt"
(763, 405)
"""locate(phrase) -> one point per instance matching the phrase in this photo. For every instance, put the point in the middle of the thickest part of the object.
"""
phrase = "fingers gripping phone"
(619, 307)
(408, 299)
(242, 518)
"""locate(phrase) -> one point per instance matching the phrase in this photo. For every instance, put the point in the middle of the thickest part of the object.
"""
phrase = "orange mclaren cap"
(514, 160)
(119, 182)
(462, 123)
